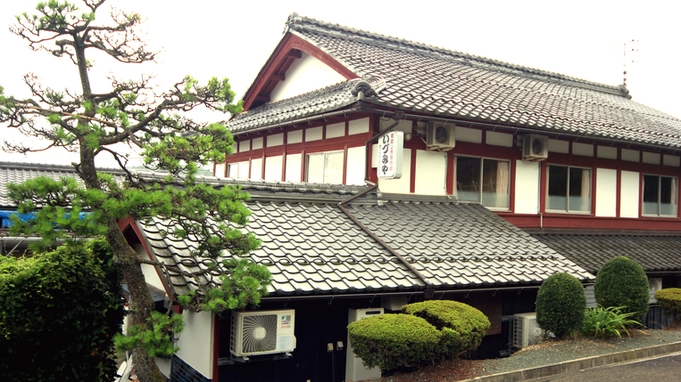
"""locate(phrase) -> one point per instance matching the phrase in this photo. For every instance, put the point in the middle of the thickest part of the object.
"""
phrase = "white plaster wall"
(313, 134)
(355, 166)
(304, 75)
(294, 137)
(651, 158)
(582, 149)
(164, 365)
(557, 146)
(196, 342)
(273, 167)
(256, 169)
(499, 139)
(358, 126)
(403, 125)
(526, 187)
(431, 173)
(465, 134)
(220, 170)
(631, 155)
(275, 140)
(398, 186)
(244, 146)
(607, 152)
(150, 274)
(257, 143)
(606, 192)
(335, 130)
(671, 160)
(293, 166)
(629, 199)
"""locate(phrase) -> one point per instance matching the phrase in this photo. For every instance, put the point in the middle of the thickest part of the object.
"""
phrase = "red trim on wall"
(592, 222)
(450, 173)
(412, 172)
(345, 164)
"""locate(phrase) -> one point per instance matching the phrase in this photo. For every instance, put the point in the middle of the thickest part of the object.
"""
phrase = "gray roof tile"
(423, 78)
(656, 252)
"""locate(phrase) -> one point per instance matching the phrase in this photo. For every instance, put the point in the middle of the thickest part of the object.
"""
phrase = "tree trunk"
(141, 304)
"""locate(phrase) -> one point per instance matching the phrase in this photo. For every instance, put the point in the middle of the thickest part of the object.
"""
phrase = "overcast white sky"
(228, 39)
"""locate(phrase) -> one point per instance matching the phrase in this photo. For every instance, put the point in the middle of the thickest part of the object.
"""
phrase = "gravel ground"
(545, 353)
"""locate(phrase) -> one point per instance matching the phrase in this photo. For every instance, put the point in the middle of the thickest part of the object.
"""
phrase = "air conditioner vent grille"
(259, 333)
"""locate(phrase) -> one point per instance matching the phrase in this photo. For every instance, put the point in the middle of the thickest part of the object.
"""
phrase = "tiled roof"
(313, 248)
(316, 102)
(457, 245)
(656, 252)
(12, 172)
(431, 80)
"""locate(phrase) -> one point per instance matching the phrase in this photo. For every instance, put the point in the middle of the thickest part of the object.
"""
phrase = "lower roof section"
(657, 252)
(312, 247)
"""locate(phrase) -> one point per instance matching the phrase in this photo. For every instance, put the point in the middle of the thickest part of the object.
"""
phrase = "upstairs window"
(482, 180)
(569, 189)
(324, 167)
(660, 195)
(238, 170)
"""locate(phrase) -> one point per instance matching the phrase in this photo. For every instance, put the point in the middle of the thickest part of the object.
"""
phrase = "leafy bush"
(670, 301)
(621, 282)
(393, 340)
(58, 314)
(606, 322)
(561, 302)
(462, 326)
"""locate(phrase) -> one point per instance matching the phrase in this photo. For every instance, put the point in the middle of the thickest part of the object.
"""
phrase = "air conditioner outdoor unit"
(262, 332)
(535, 148)
(440, 136)
(526, 331)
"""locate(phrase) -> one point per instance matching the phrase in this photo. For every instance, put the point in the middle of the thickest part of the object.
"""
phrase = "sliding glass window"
(569, 189)
(483, 180)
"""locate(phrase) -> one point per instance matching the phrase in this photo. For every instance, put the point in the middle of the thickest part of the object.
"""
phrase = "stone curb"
(580, 364)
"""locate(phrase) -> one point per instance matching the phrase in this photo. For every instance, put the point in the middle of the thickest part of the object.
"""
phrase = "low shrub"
(560, 304)
(462, 326)
(390, 341)
(670, 301)
(621, 282)
(606, 322)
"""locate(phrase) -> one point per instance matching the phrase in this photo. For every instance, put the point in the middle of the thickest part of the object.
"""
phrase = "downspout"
(396, 117)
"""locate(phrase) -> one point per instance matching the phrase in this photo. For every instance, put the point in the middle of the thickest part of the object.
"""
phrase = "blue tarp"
(5, 222)
(4, 218)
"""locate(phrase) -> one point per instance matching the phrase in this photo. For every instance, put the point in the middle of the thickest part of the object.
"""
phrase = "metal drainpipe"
(397, 117)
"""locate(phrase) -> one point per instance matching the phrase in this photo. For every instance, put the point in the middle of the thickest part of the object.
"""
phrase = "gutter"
(396, 117)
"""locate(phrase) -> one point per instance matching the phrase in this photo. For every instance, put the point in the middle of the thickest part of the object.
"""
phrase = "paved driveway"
(664, 368)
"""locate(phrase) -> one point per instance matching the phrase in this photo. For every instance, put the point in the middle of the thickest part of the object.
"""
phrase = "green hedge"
(390, 341)
(561, 302)
(622, 282)
(670, 301)
(461, 325)
(58, 314)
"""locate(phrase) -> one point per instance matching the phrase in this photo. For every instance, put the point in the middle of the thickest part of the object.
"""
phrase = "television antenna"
(629, 57)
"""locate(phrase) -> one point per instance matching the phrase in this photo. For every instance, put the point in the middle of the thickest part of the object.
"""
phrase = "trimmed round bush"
(390, 341)
(561, 303)
(461, 325)
(621, 282)
(670, 301)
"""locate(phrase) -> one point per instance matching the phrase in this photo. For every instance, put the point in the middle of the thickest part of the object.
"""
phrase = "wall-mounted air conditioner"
(535, 147)
(262, 332)
(526, 330)
(440, 136)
